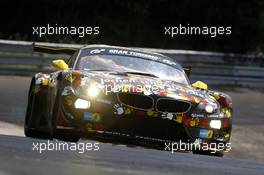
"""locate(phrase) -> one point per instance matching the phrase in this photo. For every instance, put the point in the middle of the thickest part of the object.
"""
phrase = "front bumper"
(116, 120)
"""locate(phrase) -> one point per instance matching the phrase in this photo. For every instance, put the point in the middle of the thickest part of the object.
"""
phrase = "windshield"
(120, 63)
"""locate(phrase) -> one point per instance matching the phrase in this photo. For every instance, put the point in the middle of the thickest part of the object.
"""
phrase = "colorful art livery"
(118, 93)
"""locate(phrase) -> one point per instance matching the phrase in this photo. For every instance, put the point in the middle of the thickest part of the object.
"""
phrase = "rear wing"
(53, 49)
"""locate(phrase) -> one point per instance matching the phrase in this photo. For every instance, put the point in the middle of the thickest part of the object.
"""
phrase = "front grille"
(136, 100)
(172, 106)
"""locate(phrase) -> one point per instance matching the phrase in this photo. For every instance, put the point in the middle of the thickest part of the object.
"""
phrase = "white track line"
(11, 129)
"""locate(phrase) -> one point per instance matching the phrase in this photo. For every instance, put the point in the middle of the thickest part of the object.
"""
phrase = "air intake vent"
(136, 100)
(173, 106)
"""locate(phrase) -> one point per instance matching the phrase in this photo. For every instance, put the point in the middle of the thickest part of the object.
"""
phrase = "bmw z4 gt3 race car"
(111, 93)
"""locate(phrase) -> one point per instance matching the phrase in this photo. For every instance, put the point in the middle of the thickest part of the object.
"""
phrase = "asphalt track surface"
(18, 157)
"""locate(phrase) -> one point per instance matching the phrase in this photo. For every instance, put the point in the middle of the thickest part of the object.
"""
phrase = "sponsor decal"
(133, 53)
(205, 133)
(68, 100)
(179, 118)
(194, 122)
(88, 116)
(197, 115)
(69, 78)
(96, 117)
(67, 91)
(97, 51)
(119, 110)
(167, 116)
(227, 112)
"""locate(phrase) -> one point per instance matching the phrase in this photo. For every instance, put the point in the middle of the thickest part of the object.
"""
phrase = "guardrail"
(16, 57)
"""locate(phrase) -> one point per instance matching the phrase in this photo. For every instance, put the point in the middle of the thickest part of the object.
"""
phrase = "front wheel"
(33, 116)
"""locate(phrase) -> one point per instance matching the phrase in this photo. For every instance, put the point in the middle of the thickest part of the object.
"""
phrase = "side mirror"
(187, 71)
(60, 64)
(200, 85)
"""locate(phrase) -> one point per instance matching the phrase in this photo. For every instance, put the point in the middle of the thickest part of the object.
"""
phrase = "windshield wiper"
(142, 73)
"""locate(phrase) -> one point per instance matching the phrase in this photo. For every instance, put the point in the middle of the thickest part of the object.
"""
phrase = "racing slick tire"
(33, 108)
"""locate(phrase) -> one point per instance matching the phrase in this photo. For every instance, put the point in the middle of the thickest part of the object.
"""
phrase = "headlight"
(209, 109)
(216, 124)
(93, 91)
(82, 104)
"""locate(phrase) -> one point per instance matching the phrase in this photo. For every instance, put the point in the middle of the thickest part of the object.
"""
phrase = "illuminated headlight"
(82, 104)
(209, 109)
(216, 124)
(93, 91)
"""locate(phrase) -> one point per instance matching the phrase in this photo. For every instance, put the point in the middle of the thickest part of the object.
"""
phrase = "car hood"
(130, 83)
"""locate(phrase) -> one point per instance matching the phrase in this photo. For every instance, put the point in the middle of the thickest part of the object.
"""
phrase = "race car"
(118, 93)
